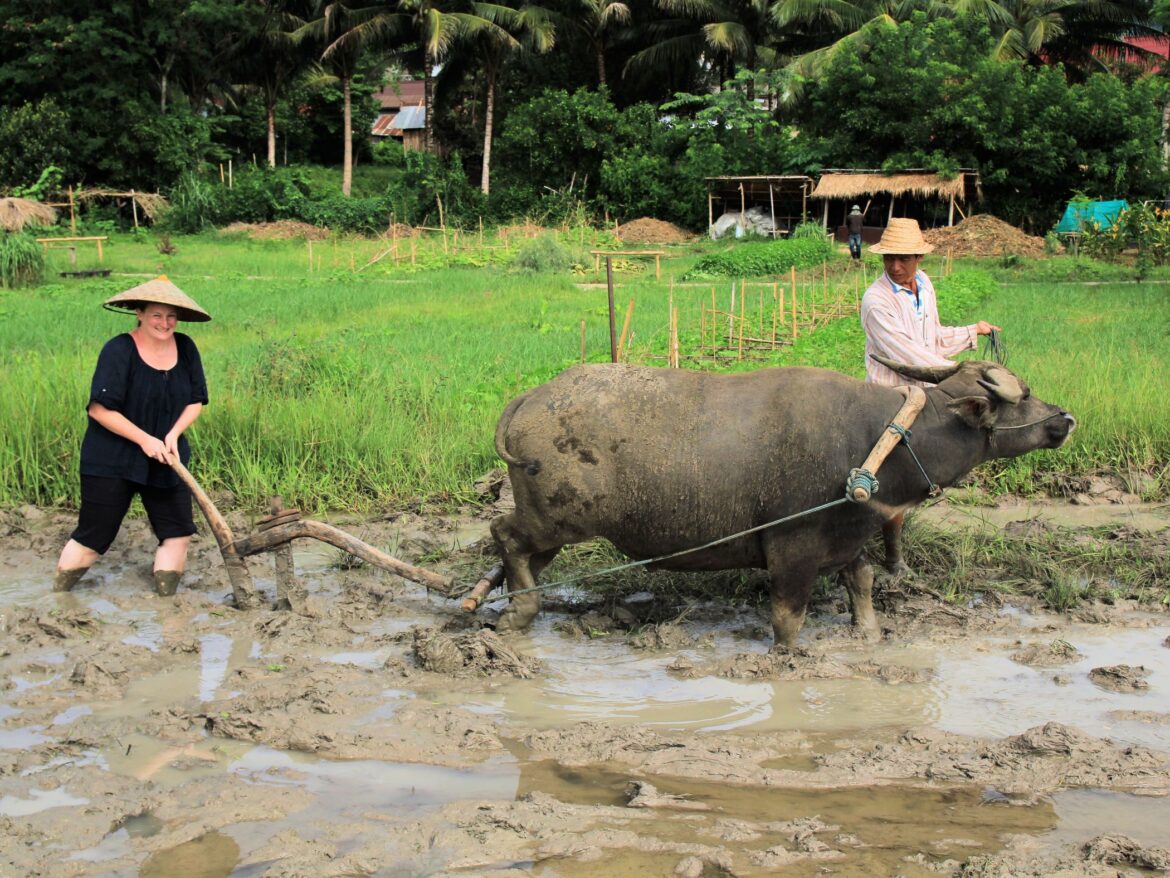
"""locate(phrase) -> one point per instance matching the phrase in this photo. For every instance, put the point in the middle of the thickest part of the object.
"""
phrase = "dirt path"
(379, 731)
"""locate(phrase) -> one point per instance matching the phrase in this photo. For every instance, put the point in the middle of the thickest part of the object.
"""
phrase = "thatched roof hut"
(16, 213)
(151, 204)
(923, 195)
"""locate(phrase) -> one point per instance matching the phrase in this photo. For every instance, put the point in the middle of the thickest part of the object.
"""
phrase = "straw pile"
(16, 213)
(650, 231)
(983, 235)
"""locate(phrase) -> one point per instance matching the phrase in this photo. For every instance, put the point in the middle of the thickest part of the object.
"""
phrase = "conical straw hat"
(902, 237)
(160, 291)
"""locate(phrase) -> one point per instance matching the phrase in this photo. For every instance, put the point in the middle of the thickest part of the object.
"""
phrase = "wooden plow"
(276, 533)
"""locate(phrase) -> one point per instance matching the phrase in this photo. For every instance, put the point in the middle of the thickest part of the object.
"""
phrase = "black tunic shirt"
(151, 399)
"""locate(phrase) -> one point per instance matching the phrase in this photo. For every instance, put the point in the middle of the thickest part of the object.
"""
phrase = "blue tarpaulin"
(1079, 214)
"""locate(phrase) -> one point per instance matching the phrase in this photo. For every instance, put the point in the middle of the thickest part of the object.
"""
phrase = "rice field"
(342, 383)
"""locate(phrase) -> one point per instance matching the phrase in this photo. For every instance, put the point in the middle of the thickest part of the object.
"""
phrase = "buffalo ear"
(975, 411)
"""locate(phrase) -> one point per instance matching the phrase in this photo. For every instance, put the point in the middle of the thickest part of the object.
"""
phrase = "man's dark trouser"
(855, 246)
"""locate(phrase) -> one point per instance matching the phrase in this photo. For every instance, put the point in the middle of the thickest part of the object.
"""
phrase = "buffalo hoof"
(899, 570)
(515, 620)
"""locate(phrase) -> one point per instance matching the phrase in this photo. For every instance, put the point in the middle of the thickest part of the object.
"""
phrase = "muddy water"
(340, 757)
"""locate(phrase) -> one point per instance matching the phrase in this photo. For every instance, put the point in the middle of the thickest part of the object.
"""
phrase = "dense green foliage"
(929, 94)
(753, 259)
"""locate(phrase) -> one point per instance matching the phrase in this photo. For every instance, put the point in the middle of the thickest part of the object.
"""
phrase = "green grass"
(366, 390)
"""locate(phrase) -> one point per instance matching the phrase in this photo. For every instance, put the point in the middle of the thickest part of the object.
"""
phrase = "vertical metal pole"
(613, 357)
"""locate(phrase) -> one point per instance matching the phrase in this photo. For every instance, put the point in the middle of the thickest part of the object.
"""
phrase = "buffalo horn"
(931, 374)
(1002, 383)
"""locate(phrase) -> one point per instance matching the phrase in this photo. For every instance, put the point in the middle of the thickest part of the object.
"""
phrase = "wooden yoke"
(915, 400)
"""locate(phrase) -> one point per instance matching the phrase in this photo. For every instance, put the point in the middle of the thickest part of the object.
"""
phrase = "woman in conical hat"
(147, 389)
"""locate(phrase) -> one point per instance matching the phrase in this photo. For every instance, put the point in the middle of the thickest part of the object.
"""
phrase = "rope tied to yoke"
(861, 485)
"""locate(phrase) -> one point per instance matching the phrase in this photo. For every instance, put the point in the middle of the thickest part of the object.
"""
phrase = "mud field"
(377, 730)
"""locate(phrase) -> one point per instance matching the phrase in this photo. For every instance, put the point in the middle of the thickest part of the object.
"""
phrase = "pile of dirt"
(651, 231)
(278, 231)
(984, 235)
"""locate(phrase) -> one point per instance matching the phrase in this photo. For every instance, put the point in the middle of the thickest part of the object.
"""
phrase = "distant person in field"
(900, 317)
(854, 223)
(147, 389)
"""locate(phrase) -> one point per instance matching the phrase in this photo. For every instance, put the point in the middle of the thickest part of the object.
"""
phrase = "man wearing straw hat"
(147, 389)
(900, 316)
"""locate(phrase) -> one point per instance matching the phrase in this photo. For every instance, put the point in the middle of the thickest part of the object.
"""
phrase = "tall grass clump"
(22, 262)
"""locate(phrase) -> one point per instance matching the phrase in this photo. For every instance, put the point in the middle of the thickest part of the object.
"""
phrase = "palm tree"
(509, 30)
(722, 35)
(337, 27)
(1071, 32)
(270, 58)
(597, 19)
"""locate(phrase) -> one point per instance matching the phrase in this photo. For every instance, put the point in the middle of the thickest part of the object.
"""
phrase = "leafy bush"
(960, 293)
(1142, 227)
(341, 214)
(21, 260)
(808, 230)
(758, 260)
(263, 194)
(543, 253)
(389, 152)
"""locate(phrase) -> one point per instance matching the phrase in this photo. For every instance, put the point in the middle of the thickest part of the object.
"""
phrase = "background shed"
(782, 198)
(915, 193)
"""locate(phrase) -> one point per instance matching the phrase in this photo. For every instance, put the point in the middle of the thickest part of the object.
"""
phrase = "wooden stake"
(775, 308)
(625, 329)
(612, 326)
(582, 341)
(702, 329)
(714, 328)
(309, 241)
(674, 337)
(794, 330)
(72, 214)
(731, 317)
(742, 299)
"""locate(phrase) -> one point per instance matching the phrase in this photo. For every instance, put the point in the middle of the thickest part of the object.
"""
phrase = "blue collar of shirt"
(898, 288)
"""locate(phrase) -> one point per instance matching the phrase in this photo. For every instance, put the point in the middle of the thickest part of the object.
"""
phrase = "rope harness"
(861, 485)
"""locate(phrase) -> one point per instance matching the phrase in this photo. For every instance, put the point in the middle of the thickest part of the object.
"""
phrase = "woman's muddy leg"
(75, 560)
(169, 562)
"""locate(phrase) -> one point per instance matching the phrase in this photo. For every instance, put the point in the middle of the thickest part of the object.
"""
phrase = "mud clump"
(1046, 655)
(480, 653)
(1121, 678)
(787, 663)
(651, 231)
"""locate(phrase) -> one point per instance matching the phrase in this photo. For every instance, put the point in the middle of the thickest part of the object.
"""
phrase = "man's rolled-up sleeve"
(889, 340)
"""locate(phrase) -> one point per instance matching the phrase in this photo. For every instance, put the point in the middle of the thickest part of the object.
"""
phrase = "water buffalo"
(661, 460)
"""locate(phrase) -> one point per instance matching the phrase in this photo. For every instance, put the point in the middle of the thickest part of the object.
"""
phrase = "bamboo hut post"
(772, 208)
(134, 208)
(825, 221)
(710, 213)
(742, 207)
(951, 212)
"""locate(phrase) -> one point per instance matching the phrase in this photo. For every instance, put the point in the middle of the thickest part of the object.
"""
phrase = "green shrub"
(808, 230)
(543, 253)
(758, 260)
(341, 214)
(960, 293)
(21, 260)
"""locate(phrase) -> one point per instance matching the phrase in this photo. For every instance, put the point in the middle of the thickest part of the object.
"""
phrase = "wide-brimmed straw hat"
(159, 291)
(902, 237)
